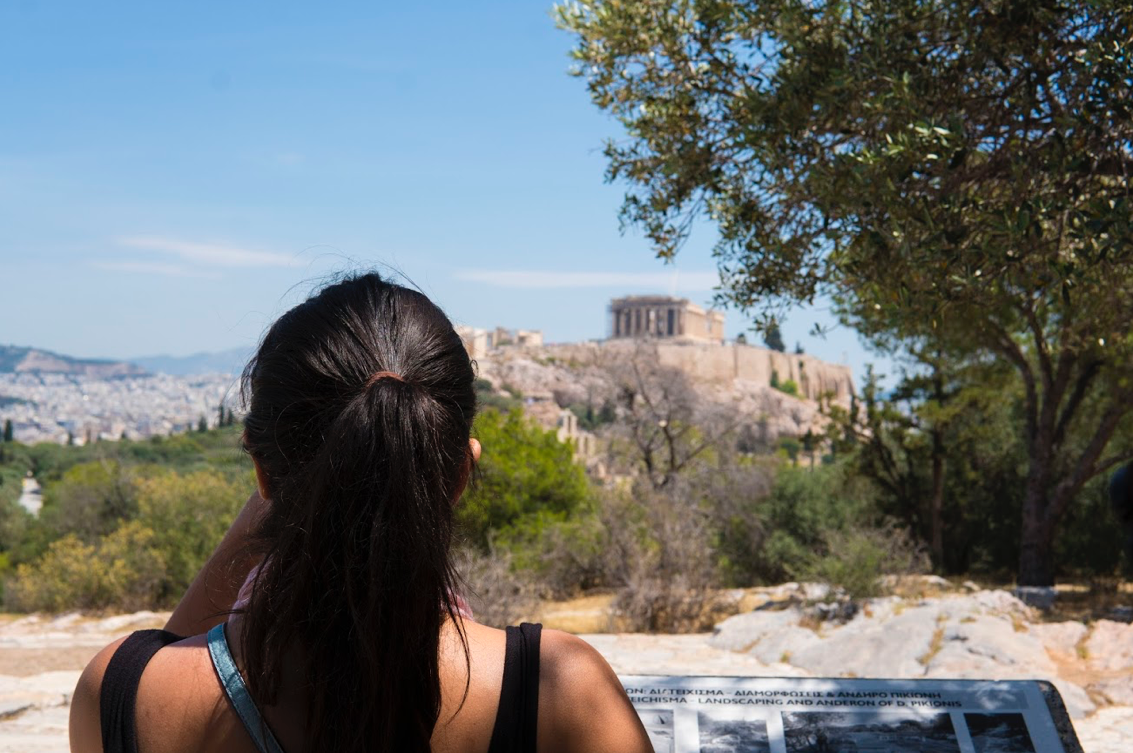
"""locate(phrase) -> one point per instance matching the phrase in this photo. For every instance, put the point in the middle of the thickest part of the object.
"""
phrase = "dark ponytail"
(362, 470)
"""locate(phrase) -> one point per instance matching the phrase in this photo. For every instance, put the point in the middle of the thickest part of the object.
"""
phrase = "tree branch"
(1087, 466)
(1011, 350)
(1081, 387)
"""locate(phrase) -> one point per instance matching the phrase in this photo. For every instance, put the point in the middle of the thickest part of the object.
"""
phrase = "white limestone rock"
(742, 632)
(988, 646)
(1107, 731)
(1110, 646)
(1117, 690)
(872, 647)
(1060, 637)
(782, 646)
(36, 731)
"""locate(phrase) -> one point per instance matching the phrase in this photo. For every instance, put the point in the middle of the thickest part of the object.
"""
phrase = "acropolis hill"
(710, 364)
(730, 383)
(775, 394)
(679, 334)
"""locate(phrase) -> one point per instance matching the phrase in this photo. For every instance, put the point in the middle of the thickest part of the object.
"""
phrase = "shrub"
(496, 592)
(90, 500)
(189, 514)
(122, 570)
(524, 470)
(854, 560)
(488, 398)
(590, 419)
(565, 555)
(660, 553)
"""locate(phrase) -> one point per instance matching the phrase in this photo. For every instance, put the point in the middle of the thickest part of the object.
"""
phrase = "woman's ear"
(469, 465)
(261, 479)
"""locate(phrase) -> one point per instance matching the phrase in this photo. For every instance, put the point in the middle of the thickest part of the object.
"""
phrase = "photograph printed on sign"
(659, 726)
(723, 732)
(999, 733)
(833, 732)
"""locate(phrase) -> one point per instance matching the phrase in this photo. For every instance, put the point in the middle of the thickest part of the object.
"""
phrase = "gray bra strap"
(237, 692)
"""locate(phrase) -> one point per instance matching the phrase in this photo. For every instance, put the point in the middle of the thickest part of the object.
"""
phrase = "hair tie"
(382, 375)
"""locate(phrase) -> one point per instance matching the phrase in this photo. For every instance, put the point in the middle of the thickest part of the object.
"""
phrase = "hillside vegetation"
(695, 505)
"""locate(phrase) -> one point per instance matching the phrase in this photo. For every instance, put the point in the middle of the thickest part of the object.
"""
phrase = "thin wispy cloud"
(150, 268)
(210, 254)
(685, 281)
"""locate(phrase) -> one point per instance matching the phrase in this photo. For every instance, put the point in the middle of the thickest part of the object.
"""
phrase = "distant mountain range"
(224, 362)
(17, 359)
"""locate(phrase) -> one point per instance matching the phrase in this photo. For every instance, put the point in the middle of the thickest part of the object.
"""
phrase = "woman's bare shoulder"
(583, 706)
(84, 726)
(176, 696)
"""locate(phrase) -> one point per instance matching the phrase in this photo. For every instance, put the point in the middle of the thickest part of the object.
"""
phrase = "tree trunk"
(936, 504)
(1036, 552)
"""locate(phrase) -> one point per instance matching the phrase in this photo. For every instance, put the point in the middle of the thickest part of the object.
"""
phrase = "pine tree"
(773, 338)
(202, 425)
(8, 432)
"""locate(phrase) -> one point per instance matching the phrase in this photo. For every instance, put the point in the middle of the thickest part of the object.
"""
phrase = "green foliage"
(90, 500)
(790, 447)
(953, 175)
(976, 409)
(488, 399)
(590, 419)
(563, 554)
(188, 515)
(781, 535)
(145, 561)
(854, 559)
(214, 450)
(773, 338)
(181, 490)
(8, 433)
(524, 470)
(790, 387)
(122, 570)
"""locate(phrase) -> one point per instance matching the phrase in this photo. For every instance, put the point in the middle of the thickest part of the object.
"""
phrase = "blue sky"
(172, 177)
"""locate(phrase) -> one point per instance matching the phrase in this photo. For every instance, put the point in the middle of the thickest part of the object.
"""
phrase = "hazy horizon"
(173, 180)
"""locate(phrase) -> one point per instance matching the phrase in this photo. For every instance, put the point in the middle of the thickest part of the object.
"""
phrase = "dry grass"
(586, 614)
(934, 647)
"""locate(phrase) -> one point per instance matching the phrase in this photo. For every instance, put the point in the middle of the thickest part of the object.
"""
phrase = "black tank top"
(516, 719)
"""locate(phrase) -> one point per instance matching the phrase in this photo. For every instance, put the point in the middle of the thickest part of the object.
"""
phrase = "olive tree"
(948, 171)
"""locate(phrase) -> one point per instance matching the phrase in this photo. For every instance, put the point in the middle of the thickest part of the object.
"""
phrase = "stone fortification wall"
(723, 364)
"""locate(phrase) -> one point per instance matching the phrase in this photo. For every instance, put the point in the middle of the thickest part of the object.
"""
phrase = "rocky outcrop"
(706, 363)
(736, 376)
(987, 634)
(983, 634)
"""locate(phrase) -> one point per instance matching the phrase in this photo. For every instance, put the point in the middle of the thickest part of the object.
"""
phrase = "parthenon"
(662, 316)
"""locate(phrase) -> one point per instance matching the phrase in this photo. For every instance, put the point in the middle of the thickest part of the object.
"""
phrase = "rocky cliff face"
(738, 376)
